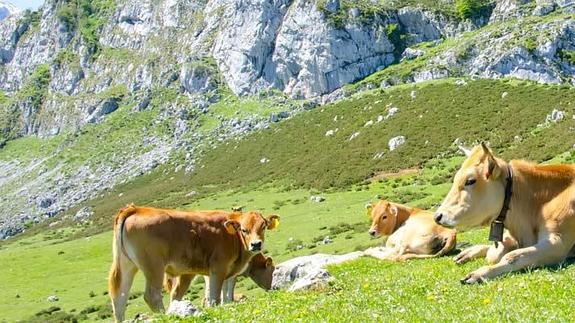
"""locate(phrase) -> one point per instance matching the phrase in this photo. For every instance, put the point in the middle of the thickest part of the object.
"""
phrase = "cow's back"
(186, 242)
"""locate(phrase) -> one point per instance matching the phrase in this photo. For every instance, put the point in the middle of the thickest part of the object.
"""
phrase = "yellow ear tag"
(275, 222)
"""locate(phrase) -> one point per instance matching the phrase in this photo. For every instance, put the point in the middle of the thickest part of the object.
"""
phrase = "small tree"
(467, 8)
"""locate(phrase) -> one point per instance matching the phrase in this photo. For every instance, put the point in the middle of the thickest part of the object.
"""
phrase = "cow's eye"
(244, 230)
(470, 182)
(384, 217)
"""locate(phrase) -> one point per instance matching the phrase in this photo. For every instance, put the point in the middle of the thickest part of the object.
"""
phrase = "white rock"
(555, 116)
(83, 214)
(392, 111)
(411, 53)
(317, 198)
(264, 160)
(353, 135)
(504, 95)
(329, 133)
(413, 95)
(378, 155)
(307, 272)
(369, 123)
(396, 142)
(182, 309)
(52, 298)
(380, 118)
(460, 82)
(327, 240)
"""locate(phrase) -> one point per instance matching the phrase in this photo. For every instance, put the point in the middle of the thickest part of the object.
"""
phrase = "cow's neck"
(244, 255)
(403, 213)
(533, 187)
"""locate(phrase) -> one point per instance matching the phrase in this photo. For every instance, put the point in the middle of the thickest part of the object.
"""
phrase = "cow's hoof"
(472, 279)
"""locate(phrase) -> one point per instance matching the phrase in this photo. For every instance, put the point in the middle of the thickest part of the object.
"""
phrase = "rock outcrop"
(173, 60)
(308, 272)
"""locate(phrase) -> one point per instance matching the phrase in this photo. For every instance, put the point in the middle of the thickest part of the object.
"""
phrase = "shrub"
(567, 55)
(468, 8)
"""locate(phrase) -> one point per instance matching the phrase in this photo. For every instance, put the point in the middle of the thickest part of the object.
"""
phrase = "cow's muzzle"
(256, 245)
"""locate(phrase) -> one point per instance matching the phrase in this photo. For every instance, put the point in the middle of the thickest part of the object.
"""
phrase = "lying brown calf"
(157, 241)
(412, 232)
(531, 209)
(260, 270)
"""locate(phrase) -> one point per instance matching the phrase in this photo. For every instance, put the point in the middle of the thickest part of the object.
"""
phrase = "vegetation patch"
(87, 17)
(301, 154)
(30, 96)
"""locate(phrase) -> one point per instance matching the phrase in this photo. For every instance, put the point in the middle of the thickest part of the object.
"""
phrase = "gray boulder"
(395, 142)
(308, 272)
(182, 309)
(83, 214)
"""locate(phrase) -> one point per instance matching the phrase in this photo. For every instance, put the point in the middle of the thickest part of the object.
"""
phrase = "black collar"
(496, 230)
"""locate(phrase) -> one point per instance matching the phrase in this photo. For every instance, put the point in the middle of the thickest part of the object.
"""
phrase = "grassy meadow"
(71, 260)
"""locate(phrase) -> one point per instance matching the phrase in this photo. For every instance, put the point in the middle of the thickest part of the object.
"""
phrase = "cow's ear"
(393, 210)
(235, 215)
(273, 221)
(269, 262)
(232, 226)
(491, 167)
(368, 208)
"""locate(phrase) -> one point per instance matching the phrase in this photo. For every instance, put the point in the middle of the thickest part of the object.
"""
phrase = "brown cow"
(534, 203)
(260, 270)
(412, 232)
(157, 241)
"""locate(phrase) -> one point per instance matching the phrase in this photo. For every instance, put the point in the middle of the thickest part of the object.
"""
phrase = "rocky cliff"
(7, 9)
(103, 91)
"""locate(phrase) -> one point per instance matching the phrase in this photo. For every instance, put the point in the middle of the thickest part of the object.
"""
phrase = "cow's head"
(383, 218)
(252, 226)
(261, 271)
(478, 191)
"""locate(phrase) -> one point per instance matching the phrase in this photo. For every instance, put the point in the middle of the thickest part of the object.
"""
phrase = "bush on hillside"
(468, 8)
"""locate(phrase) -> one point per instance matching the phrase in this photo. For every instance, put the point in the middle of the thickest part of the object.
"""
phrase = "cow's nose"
(256, 245)
(372, 233)
(437, 217)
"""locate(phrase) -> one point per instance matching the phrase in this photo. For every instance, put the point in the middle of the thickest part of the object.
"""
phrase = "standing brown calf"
(260, 270)
(156, 241)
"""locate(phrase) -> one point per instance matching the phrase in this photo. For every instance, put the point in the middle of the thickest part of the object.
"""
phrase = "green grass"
(302, 161)
(420, 291)
(301, 155)
(78, 276)
(367, 288)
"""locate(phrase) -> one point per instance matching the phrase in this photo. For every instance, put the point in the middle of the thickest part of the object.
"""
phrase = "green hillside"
(71, 262)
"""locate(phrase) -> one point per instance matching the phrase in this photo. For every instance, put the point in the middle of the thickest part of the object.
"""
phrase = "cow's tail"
(115, 277)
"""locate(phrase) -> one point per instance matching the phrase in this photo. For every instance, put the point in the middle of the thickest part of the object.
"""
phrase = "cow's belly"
(176, 269)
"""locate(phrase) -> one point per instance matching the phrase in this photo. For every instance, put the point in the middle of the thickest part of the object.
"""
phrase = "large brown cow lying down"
(260, 270)
(540, 221)
(412, 232)
(157, 241)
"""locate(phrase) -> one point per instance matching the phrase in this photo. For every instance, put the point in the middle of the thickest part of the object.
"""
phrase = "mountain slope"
(96, 93)
(7, 9)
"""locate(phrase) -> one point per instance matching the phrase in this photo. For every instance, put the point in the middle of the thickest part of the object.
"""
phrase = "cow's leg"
(546, 252)
(153, 294)
(471, 253)
(206, 301)
(127, 272)
(216, 282)
(181, 287)
(228, 290)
